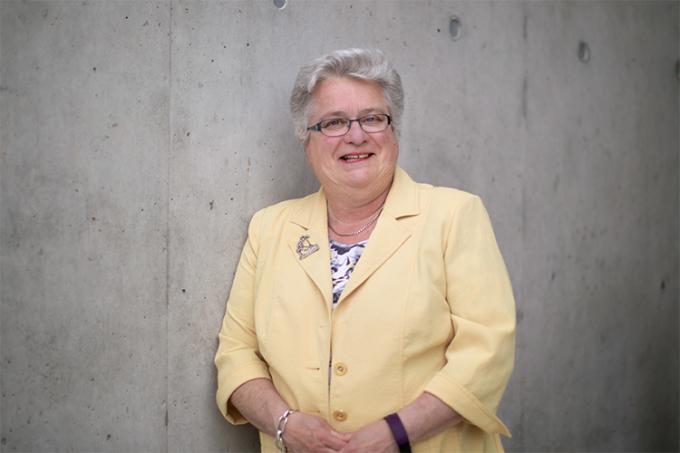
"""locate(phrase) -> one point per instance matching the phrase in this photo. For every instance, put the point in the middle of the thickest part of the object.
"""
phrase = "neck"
(351, 210)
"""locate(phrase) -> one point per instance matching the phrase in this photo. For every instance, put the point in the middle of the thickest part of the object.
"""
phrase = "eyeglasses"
(337, 127)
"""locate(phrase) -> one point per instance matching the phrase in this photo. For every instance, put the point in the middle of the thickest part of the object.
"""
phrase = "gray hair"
(364, 64)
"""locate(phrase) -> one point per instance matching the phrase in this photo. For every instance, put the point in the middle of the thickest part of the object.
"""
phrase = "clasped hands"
(309, 433)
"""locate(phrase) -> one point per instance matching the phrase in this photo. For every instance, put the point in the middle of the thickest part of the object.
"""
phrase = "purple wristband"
(399, 432)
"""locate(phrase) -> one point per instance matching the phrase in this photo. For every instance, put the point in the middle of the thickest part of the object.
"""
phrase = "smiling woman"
(376, 314)
(355, 168)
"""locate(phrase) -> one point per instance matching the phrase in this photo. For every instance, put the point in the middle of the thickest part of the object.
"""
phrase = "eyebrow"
(362, 112)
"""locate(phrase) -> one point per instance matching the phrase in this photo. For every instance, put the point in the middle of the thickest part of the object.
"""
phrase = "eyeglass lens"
(369, 123)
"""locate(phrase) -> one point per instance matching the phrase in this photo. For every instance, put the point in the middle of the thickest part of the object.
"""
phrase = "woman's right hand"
(309, 433)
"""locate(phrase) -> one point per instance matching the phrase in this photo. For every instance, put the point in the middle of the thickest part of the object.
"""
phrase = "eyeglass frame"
(317, 126)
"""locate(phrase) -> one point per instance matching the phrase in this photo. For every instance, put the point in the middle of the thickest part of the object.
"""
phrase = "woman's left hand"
(376, 438)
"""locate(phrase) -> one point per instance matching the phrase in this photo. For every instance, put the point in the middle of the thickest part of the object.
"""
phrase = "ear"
(305, 138)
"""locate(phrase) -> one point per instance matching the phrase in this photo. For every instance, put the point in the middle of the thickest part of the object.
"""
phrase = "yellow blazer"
(429, 307)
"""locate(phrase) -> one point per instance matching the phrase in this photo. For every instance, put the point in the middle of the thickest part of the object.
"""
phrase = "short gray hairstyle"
(364, 64)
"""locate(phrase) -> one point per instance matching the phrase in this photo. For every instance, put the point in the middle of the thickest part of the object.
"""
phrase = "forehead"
(347, 96)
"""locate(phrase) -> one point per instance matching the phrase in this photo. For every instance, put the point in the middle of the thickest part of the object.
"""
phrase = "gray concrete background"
(137, 139)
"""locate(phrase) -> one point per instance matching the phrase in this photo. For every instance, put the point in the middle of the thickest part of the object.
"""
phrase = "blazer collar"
(402, 201)
(308, 228)
(310, 219)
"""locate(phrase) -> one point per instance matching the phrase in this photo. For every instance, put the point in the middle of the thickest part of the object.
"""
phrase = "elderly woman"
(376, 314)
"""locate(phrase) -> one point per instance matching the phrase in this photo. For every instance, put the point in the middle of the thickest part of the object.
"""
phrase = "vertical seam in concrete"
(2, 299)
(167, 230)
(523, 196)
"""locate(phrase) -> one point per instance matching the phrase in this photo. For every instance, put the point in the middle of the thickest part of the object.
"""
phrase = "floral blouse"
(344, 258)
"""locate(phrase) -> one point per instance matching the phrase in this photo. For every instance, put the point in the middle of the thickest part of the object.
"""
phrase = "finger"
(344, 436)
(334, 441)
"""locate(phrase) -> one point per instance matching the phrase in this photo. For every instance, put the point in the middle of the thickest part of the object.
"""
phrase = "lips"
(354, 157)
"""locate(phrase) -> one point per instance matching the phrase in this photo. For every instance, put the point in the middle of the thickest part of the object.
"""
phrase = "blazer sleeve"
(238, 359)
(480, 357)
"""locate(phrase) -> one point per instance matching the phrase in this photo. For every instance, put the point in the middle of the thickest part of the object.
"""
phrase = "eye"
(372, 119)
(334, 123)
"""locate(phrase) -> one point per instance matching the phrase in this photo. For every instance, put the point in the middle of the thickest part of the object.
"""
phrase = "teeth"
(355, 157)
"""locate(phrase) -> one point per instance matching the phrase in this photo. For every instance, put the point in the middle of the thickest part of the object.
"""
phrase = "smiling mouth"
(355, 157)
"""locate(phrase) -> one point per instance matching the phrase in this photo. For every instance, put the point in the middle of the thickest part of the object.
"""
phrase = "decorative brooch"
(305, 248)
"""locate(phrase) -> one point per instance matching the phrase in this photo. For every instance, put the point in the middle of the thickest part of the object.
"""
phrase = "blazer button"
(340, 416)
(340, 369)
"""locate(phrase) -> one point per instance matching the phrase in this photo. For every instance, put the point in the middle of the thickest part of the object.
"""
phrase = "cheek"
(318, 151)
(393, 147)
(316, 159)
(312, 152)
(391, 142)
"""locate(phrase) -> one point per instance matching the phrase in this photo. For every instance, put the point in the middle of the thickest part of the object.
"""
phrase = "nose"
(355, 134)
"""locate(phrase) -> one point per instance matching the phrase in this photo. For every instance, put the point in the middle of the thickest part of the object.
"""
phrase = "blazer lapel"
(389, 234)
(307, 237)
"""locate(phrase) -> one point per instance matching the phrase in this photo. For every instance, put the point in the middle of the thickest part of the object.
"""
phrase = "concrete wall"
(137, 138)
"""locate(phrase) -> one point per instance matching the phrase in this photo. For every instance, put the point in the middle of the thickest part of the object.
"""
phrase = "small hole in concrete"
(280, 4)
(455, 27)
(583, 52)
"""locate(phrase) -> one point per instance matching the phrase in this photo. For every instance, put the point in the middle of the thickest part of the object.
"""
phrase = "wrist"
(275, 408)
(280, 429)
(398, 432)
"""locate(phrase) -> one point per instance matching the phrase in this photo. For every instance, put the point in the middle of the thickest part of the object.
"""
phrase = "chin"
(364, 180)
